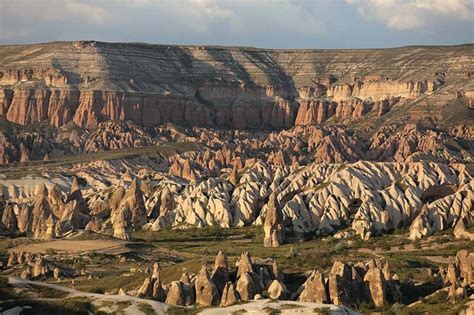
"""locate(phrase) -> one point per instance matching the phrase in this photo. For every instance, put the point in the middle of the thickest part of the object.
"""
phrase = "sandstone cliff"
(89, 82)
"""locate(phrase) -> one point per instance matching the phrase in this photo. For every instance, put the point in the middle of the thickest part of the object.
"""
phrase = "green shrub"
(146, 308)
(322, 310)
(340, 246)
(417, 244)
(97, 290)
(385, 247)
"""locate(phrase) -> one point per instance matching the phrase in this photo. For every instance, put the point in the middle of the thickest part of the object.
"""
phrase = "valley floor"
(111, 265)
(128, 305)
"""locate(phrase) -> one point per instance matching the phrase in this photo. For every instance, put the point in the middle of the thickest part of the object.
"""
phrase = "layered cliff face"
(88, 108)
(90, 82)
(51, 76)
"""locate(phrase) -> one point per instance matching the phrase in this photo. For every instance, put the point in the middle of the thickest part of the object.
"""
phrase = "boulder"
(465, 263)
(175, 294)
(188, 289)
(50, 232)
(57, 273)
(158, 292)
(9, 219)
(273, 224)
(460, 231)
(230, 296)
(220, 273)
(375, 283)
(146, 289)
(38, 268)
(277, 290)
(314, 289)
(257, 297)
(246, 287)
(339, 283)
(244, 265)
(121, 224)
(26, 274)
(11, 259)
(206, 291)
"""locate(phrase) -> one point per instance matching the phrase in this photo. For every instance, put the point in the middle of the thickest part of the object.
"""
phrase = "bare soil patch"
(99, 246)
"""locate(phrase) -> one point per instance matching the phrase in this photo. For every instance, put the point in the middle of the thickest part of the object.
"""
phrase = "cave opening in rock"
(355, 205)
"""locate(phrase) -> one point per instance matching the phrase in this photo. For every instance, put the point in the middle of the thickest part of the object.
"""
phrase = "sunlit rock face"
(218, 86)
(371, 198)
(297, 142)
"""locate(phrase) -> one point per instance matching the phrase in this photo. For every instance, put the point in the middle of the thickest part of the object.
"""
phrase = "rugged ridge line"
(88, 82)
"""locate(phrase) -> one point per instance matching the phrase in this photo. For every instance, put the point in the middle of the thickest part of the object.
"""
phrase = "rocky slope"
(318, 199)
(219, 149)
(372, 139)
(102, 140)
(89, 82)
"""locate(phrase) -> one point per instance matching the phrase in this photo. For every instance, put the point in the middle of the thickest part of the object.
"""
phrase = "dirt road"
(100, 246)
(98, 299)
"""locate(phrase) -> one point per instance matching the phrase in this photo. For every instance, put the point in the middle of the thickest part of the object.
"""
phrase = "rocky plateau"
(131, 143)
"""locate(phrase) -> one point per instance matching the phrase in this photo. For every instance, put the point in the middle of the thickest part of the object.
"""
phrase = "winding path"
(159, 308)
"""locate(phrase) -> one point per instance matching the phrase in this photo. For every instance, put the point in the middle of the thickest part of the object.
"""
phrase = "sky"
(258, 23)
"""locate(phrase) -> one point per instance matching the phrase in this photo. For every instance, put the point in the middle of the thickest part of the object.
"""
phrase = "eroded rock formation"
(273, 225)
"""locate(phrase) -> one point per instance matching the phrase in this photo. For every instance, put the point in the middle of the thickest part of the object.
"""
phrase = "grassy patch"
(123, 305)
(46, 292)
(271, 310)
(409, 264)
(435, 304)
(74, 306)
(322, 310)
(110, 282)
(176, 310)
(146, 308)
